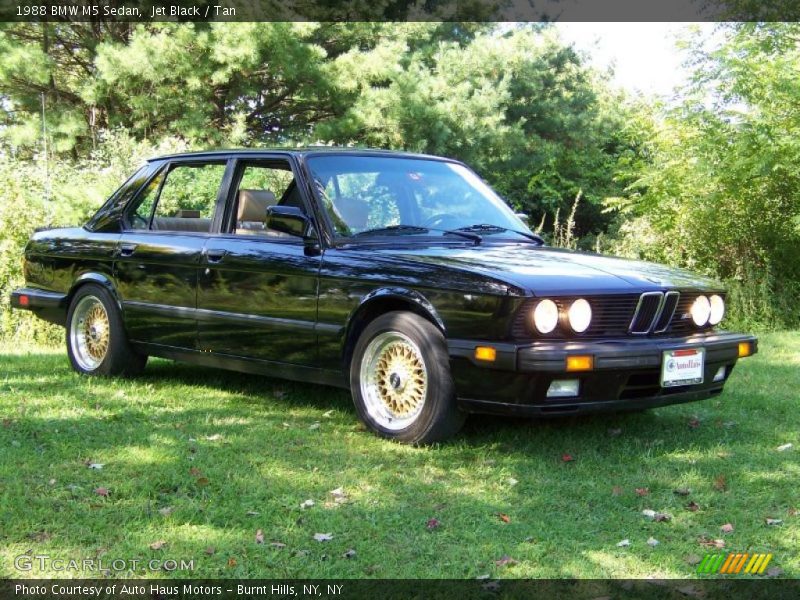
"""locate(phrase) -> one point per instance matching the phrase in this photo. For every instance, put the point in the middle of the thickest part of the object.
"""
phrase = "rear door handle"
(127, 249)
(215, 256)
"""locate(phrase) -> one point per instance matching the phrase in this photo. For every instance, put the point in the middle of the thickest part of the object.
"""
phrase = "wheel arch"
(379, 302)
(96, 278)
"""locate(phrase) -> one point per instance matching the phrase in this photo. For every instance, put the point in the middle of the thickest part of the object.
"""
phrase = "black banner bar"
(399, 10)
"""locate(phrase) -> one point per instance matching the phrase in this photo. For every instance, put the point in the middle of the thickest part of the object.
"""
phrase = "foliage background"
(709, 182)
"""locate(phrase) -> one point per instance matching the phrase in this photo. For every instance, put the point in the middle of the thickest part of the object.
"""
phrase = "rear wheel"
(96, 339)
(400, 380)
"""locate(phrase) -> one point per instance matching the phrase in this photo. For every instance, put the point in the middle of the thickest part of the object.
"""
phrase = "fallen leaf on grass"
(231, 562)
(307, 503)
(682, 491)
(643, 491)
(314, 425)
(652, 542)
(166, 511)
(259, 536)
(720, 483)
(101, 491)
(252, 513)
(784, 447)
(693, 506)
(658, 517)
(158, 545)
(328, 414)
(432, 524)
(617, 490)
(95, 466)
(793, 512)
(277, 545)
(512, 481)
(624, 543)
(39, 536)
(614, 432)
(210, 550)
(339, 495)
(202, 481)
(323, 537)
(709, 543)
(349, 554)
(694, 423)
(727, 528)
(505, 560)
(52, 482)
(504, 517)
(770, 521)
(567, 458)
(692, 559)
(195, 472)
(214, 438)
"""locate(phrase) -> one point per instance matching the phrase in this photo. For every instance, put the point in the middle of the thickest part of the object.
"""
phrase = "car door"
(257, 291)
(160, 249)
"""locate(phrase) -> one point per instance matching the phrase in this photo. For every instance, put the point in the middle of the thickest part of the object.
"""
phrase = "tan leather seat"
(251, 214)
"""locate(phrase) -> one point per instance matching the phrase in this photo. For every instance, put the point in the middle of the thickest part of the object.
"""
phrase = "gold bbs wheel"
(90, 332)
(394, 380)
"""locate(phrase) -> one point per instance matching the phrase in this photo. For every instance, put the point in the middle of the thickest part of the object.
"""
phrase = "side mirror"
(287, 219)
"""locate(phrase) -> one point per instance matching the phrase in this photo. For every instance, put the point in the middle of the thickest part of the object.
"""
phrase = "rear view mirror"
(287, 219)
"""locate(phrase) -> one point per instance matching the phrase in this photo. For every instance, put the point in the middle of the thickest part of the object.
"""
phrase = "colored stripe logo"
(731, 564)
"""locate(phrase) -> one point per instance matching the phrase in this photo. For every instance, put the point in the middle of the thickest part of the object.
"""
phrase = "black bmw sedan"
(402, 277)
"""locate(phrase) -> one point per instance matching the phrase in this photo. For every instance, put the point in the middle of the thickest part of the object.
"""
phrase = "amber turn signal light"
(486, 353)
(580, 363)
(745, 349)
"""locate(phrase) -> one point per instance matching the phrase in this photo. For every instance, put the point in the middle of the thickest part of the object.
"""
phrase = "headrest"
(353, 211)
(253, 205)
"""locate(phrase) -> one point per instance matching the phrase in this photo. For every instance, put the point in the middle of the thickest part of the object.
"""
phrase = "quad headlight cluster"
(546, 316)
(707, 311)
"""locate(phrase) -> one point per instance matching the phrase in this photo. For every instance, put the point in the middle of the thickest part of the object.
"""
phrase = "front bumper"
(626, 374)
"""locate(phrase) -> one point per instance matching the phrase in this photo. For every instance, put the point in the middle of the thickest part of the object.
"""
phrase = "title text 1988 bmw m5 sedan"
(401, 277)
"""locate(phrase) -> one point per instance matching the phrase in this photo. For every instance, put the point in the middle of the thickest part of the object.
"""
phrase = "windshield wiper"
(487, 228)
(390, 228)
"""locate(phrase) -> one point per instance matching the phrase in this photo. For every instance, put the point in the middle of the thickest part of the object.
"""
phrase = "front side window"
(384, 195)
(262, 185)
(183, 198)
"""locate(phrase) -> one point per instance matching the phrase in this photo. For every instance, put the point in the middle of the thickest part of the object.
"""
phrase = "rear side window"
(181, 199)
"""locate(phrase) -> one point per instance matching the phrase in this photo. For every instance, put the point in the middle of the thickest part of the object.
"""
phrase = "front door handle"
(215, 256)
(127, 249)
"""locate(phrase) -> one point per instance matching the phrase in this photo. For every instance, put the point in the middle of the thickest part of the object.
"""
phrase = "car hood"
(540, 270)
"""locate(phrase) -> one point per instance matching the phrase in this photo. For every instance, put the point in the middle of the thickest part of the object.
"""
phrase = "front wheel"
(400, 380)
(96, 340)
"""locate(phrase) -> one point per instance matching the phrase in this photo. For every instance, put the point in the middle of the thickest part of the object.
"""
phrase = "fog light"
(486, 353)
(720, 375)
(745, 349)
(563, 388)
(579, 363)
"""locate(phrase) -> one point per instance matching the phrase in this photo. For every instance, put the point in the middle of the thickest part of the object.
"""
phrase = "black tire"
(118, 359)
(439, 416)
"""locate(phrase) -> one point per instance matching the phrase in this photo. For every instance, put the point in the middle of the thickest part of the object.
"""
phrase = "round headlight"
(545, 316)
(717, 309)
(701, 310)
(580, 315)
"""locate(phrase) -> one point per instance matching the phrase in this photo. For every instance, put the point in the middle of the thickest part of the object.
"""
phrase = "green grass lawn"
(203, 460)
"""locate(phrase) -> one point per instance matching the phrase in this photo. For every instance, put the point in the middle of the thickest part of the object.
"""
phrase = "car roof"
(302, 151)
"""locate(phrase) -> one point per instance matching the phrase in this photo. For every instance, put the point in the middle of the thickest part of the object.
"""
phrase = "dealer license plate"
(682, 367)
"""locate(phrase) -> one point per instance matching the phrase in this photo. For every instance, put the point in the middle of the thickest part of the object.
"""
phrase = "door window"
(182, 199)
(262, 185)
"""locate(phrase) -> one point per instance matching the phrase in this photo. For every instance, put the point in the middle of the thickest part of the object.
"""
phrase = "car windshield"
(393, 196)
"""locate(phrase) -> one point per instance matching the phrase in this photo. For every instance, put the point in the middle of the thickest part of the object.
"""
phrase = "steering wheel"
(438, 219)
